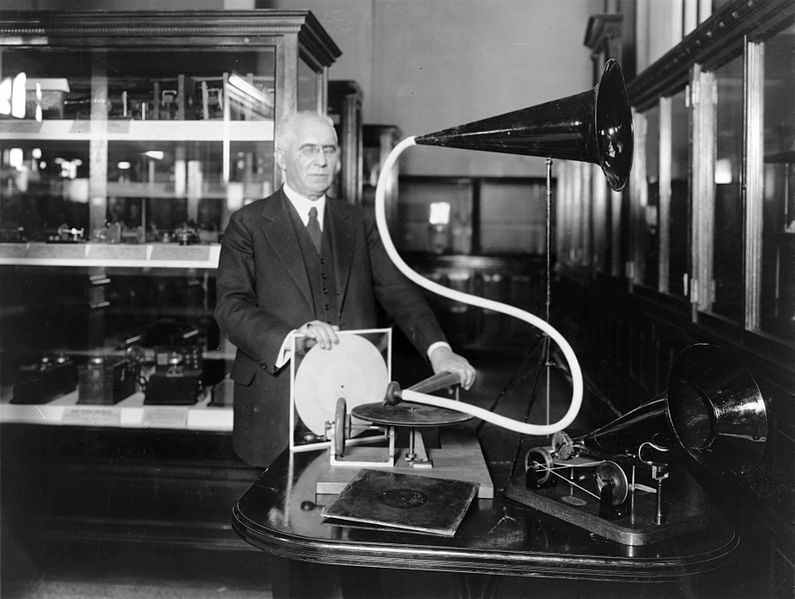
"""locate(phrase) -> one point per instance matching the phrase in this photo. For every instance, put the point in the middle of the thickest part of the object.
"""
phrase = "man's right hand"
(322, 333)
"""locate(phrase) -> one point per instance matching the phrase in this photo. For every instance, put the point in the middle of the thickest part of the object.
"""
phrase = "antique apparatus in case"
(44, 380)
(106, 380)
(177, 376)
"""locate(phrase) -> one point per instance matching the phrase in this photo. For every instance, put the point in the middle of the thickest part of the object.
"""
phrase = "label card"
(92, 415)
(13, 250)
(191, 253)
(57, 250)
(164, 417)
(117, 252)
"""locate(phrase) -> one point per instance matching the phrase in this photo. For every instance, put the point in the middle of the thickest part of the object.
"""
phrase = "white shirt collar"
(302, 205)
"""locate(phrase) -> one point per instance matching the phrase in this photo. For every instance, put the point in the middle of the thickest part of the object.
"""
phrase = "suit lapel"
(343, 237)
(278, 230)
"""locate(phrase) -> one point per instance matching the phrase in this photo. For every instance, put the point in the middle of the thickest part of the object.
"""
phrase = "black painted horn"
(712, 408)
(716, 410)
(592, 126)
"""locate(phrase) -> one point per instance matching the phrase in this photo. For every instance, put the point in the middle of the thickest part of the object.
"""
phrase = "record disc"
(353, 369)
(406, 502)
(408, 414)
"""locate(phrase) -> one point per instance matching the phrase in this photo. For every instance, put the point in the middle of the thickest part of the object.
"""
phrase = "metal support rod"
(658, 515)
(548, 297)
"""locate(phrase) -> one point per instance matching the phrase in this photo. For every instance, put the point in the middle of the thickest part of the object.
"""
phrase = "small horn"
(716, 410)
(713, 408)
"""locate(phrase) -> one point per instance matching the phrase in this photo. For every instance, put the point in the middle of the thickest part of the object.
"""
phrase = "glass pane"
(778, 245)
(308, 87)
(513, 217)
(650, 242)
(122, 148)
(45, 182)
(679, 229)
(601, 229)
(728, 242)
(435, 215)
(112, 127)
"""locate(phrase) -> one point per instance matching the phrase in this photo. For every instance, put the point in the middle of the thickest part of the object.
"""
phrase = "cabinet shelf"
(164, 191)
(128, 413)
(151, 255)
(129, 130)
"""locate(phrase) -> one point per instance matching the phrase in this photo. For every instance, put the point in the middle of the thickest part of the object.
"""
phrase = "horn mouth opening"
(613, 124)
(692, 418)
(716, 410)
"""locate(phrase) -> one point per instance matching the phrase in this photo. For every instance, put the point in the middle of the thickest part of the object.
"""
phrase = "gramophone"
(628, 481)
(592, 126)
(618, 481)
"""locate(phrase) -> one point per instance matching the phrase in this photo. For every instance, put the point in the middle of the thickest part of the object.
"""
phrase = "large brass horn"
(712, 408)
(592, 126)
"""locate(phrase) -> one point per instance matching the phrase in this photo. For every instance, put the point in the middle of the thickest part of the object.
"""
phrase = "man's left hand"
(444, 359)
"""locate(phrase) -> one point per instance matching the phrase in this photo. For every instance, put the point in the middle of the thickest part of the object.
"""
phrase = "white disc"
(353, 369)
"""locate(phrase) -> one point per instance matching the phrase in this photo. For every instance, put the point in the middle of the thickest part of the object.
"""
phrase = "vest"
(319, 268)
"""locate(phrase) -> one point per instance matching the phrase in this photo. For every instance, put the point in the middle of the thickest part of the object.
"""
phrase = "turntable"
(338, 404)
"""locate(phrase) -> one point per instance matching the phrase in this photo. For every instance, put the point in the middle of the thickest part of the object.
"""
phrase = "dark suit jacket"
(263, 293)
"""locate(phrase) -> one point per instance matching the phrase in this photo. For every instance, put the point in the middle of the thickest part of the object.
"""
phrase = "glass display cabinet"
(127, 139)
(377, 142)
(345, 108)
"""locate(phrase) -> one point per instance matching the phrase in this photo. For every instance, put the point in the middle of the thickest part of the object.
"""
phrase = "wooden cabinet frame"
(739, 29)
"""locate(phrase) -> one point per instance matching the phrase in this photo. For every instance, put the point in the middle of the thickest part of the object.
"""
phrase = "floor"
(137, 571)
(141, 573)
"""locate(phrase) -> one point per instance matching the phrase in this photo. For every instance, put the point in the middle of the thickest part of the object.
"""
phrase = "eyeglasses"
(312, 150)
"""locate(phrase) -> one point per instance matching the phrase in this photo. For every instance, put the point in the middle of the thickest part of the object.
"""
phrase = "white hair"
(289, 123)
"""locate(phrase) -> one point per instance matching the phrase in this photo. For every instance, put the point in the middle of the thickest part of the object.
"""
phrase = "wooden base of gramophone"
(684, 510)
(459, 457)
(337, 397)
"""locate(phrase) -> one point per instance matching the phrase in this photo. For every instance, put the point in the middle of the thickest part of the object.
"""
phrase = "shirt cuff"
(285, 351)
(435, 345)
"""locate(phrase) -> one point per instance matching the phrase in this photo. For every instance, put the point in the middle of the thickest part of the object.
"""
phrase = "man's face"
(310, 157)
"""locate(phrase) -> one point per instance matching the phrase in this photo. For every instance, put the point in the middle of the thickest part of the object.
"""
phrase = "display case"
(127, 139)
(378, 141)
(345, 107)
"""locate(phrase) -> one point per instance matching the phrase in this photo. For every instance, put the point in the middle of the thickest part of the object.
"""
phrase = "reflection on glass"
(417, 232)
(44, 184)
(728, 256)
(650, 239)
(512, 217)
(778, 245)
(679, 209)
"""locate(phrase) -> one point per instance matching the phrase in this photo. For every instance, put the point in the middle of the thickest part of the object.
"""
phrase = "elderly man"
(299, 261)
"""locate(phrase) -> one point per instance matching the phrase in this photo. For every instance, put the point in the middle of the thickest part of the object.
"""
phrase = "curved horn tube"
(486, 304)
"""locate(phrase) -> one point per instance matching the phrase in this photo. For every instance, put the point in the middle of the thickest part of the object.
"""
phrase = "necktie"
(313, 228)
